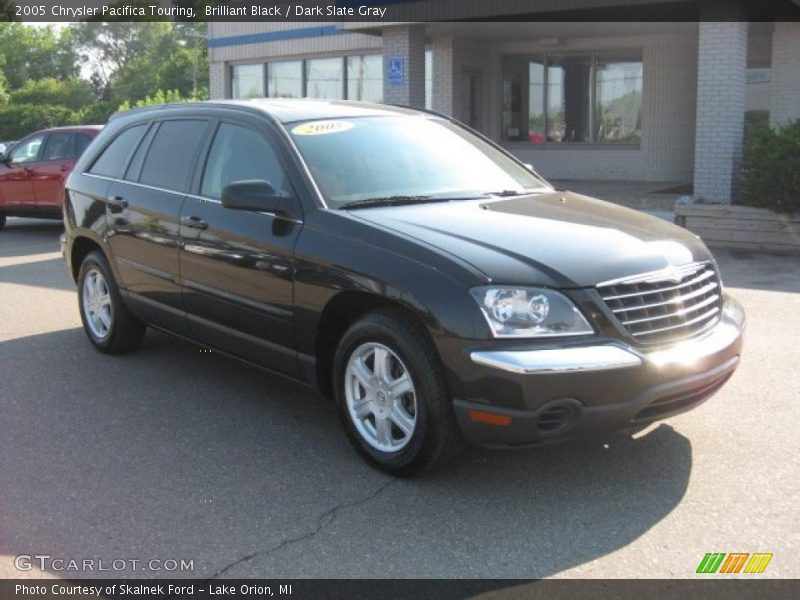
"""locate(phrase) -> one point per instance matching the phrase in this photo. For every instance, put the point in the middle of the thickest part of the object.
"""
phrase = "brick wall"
(218, 81)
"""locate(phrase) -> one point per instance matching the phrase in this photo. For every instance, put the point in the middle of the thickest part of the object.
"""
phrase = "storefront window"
(536, 96)
(325, 78)
(315, 78)
(618, 101)
(589, 98)
(285, 79)
(365, 78)
(248, 81)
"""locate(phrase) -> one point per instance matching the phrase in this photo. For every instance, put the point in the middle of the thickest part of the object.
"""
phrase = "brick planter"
(743, 227)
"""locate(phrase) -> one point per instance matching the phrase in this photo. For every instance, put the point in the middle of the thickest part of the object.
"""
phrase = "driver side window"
(27, 151)
(238, 154)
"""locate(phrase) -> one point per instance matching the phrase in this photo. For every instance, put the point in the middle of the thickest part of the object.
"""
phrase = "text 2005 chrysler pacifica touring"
(436, 287)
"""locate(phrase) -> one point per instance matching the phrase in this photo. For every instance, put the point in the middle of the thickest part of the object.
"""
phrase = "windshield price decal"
(322, 127)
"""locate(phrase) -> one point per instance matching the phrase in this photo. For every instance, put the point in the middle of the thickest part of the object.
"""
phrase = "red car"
(33, 171)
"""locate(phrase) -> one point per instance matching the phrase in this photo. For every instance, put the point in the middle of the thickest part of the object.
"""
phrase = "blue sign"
(396, 70)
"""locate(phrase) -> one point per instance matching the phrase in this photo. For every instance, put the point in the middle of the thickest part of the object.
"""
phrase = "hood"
(557, 239)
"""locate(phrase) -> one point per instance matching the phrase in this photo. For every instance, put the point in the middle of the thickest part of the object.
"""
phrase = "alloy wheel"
(381, 398)
(97, 304)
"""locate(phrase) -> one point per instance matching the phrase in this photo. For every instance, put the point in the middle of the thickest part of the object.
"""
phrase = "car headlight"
(529, 312)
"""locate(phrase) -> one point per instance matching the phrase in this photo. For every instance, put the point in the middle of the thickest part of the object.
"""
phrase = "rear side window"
(238, 154)
(170, 155)
(59, 147)
(114, 158)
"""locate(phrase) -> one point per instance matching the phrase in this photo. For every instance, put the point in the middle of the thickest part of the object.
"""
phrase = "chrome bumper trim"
(559, 360)
(602, 358)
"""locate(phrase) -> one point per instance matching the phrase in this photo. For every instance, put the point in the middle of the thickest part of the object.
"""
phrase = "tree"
(3, 82)
(131, 61)
(7, 11)
(3, 89)
(36, 52)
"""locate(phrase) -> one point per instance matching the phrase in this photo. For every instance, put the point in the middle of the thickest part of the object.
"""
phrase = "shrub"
(160, 97)
(771, 173)
(72, 93)
(18, 120)
(97, 113)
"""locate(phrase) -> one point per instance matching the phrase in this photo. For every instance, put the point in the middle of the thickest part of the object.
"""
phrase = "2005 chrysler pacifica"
(436, 287)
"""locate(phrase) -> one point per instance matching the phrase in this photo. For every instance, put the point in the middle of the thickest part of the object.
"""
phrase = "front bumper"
(528, 396)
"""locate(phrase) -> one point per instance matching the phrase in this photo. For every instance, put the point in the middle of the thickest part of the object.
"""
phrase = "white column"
(444, 58)
(404, 65)
(722, 60)
(784, 87)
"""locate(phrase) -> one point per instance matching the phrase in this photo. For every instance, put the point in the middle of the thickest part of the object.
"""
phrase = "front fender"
(335, 254)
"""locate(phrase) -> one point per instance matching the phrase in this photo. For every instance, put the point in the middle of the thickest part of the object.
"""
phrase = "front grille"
(666, 306)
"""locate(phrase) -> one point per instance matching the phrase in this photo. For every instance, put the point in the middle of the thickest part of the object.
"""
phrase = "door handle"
(194, 222)
(65, 168)
(118, 201)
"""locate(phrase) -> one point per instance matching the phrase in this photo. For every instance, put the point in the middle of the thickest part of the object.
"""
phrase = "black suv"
(419, 274)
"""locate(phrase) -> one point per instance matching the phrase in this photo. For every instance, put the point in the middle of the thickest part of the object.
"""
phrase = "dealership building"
(597, 100)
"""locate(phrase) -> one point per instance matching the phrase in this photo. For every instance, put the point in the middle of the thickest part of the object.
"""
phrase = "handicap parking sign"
(396, 70)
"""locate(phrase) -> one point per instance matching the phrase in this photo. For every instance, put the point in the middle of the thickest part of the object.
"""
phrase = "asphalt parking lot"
(173, 453)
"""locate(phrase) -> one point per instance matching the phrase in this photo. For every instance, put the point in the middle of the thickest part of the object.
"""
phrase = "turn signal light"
(489, 418)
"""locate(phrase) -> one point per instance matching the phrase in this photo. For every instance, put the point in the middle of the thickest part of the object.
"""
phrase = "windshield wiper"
(504, 193)
(392, 201)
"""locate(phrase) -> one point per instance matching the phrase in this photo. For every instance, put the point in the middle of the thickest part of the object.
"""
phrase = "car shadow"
(49, 273)
(22, 237)
(178, 452)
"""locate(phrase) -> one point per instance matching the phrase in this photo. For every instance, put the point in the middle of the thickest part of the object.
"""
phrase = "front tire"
(391, 395)
(106, 320)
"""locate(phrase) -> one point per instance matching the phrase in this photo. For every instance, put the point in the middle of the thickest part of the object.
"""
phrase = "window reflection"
(248, 81)
(589, 98)
(324, 78)
(285, 79)
(618, 101)
(365, 78)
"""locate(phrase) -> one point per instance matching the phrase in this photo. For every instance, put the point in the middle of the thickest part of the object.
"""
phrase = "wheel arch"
(81, 247)
(341, 311)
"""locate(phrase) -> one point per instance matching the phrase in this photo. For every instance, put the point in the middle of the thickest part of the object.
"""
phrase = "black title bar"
(382, 12)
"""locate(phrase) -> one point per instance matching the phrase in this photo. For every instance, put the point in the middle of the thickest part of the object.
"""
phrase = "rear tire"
(108, 323)
(392, 397)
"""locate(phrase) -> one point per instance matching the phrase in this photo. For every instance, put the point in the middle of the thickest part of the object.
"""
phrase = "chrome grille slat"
(680, 313)
(663, 307)
(705, 289)
(702, 317)
(702, 277)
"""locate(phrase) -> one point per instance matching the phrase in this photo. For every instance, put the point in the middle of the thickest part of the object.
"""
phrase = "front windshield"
(364, 158)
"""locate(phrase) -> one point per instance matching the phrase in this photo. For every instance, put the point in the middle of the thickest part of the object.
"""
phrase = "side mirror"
(257, 195)
(3, 158)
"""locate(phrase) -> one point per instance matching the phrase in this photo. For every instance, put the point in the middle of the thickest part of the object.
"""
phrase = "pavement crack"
(326, 519)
